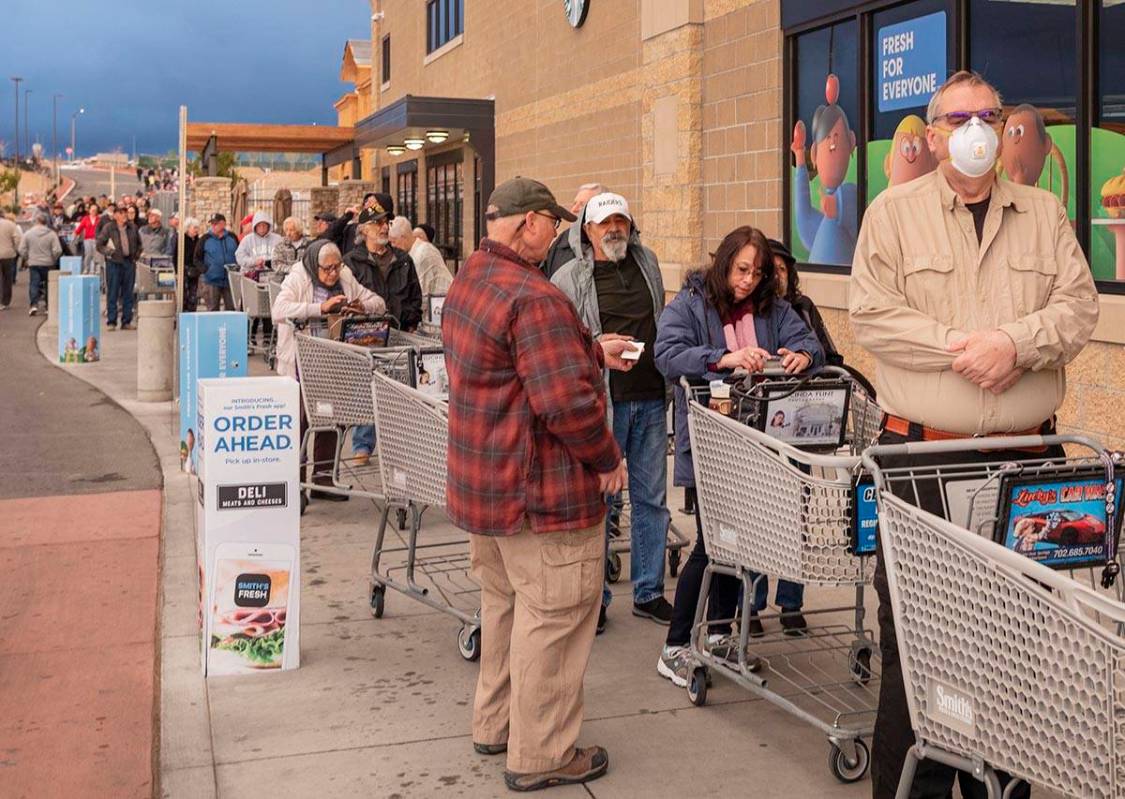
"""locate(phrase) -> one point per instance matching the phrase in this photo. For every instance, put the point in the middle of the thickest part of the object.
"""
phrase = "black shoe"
(111, 326)
(793, 622)
(490, 749)
(601, 620)
(756, 630)
(659, 610)
(328, 496)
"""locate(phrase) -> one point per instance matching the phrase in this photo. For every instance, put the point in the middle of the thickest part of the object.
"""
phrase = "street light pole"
(55, 135)
(17, 82)
(74, 116)
(26, 127)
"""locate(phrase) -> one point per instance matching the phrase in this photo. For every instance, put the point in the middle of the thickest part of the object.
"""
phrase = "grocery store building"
(687, 107)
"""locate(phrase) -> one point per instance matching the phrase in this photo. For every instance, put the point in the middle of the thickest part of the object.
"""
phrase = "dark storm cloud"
(132, 64)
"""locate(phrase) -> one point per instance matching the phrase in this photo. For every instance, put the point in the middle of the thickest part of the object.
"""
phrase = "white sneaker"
(32, 310)
(3, 307)
(674, 663)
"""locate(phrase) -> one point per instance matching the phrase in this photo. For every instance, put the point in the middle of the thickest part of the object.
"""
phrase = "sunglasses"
(554, 219)
(989, 116)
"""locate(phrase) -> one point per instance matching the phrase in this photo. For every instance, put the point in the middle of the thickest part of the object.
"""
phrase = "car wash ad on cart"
(1061, 521)
(248, 511)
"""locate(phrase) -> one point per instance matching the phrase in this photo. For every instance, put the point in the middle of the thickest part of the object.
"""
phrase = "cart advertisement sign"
(248, 523)
(212, 344)
(813, 417)
(430, 376)
(80, 319)
(865, 517)
(1060, 521)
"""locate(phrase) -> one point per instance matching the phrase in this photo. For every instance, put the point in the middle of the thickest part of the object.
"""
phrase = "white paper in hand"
(634, 354)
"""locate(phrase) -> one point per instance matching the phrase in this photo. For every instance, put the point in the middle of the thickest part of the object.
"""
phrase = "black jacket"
(560, 254)
(112, 232)
(338, 231)
(402, 291)
(808, 311)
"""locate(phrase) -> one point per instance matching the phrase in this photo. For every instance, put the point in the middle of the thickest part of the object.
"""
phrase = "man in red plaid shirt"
(530, 459)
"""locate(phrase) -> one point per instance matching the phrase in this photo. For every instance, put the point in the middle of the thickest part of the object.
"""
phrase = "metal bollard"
(155, 328)
(53, 297)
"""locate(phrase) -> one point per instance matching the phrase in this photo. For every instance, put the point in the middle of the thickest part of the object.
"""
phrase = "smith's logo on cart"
(258, 495)
(252, 590)
(951, 707)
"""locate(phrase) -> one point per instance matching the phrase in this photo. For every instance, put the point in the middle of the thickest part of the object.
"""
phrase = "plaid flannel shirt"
(527, 405)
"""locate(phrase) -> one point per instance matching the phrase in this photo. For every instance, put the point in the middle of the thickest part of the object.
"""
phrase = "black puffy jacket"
(401, 290)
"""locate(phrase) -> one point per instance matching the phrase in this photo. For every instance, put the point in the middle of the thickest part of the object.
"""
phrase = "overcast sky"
(132, 64)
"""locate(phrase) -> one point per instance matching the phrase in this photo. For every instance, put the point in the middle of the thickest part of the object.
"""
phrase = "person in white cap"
(614, 282)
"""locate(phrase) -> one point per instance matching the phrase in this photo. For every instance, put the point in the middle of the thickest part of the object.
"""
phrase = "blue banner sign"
(910, 61)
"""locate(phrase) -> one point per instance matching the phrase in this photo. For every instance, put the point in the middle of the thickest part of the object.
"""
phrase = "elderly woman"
(192, 273)
(319, 286)
(725, 318)
(292, 246)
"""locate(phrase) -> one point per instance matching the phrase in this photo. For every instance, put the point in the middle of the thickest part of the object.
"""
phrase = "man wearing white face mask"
(972, 294)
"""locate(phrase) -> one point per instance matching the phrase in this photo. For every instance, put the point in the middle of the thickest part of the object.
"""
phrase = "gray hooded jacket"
(576, 280)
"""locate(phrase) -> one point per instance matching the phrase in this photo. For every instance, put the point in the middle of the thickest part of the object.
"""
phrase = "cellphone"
(633, 355)
(773, 367)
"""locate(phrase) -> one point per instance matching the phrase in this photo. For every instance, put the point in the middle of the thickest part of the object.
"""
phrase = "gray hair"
(326, 251)
(597, 188)
(933, 110)
(41, 218)
(159, 214)
(400, 228)
(295, 222)
(191, 221)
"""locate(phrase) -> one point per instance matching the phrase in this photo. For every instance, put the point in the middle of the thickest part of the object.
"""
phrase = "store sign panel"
(910, 61)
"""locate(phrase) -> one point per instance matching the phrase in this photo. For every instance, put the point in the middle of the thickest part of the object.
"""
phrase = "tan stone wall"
(208, 196)
(321, 198)
(351, 193)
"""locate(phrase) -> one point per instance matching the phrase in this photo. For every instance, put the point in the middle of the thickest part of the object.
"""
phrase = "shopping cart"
(1008, 665)
(256, 303)
(336, 390)
(769, 508)
(620, 529)
(412, 440)
(273, 290)
(234, 280)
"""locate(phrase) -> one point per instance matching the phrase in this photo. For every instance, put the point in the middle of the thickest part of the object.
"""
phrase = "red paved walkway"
(78, 598)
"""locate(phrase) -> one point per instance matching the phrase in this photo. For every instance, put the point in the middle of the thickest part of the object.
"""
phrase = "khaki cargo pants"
(539, 612)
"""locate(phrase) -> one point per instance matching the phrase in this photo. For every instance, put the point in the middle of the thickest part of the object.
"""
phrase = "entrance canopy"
(245, 138)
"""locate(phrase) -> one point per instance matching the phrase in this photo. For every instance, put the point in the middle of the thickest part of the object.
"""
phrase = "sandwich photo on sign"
(1061, 520)
(249, 608)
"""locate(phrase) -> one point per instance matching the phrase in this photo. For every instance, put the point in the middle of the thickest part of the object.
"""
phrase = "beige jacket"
(10, 236)
(433, 275)
(920, 281)
(295, 301)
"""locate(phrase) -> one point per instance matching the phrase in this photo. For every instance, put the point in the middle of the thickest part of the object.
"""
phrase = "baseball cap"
(383, 208)
(602, 206)
(520, 195)
(326, 216)
(777, 248)
(217, 218)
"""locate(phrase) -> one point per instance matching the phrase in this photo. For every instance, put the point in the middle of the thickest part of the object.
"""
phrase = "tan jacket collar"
(1001, 192)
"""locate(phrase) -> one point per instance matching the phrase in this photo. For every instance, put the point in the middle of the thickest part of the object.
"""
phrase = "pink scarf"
(740, 332)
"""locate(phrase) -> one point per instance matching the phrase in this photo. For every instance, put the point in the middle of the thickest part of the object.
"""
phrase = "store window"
(912, 54)
(444, 21)
(385, 180)
(1107, 149)
(386, 60)
(444, 179)
(824, 198)
(408, 191)
(1040, 104)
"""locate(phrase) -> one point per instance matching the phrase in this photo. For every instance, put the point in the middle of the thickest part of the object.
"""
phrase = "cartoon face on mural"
(1026, 145)
(830, 233)
(909, 156)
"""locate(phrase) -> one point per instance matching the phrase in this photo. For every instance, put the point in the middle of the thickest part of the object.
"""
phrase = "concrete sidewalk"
(381, 708)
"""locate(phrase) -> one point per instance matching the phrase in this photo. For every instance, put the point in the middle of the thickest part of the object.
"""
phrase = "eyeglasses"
(989, 116)
(554, 219)
(331, 270)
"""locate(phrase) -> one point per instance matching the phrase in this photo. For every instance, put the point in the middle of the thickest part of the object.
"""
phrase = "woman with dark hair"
(725, 318)
(789, 289)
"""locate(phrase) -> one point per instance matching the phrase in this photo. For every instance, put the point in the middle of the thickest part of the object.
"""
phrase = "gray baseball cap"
(520, 195)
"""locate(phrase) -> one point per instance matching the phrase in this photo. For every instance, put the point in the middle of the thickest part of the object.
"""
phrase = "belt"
(909, 429)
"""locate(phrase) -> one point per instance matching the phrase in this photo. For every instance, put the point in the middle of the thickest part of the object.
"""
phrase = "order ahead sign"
(910, 60)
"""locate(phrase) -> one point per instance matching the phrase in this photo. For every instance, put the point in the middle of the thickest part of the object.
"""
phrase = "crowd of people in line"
(545, 410)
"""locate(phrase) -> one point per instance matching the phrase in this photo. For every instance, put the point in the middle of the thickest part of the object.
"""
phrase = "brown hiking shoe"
(586, 765)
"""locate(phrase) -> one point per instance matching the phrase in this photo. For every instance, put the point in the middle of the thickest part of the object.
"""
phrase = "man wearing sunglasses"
(530, 462)
(972, 294)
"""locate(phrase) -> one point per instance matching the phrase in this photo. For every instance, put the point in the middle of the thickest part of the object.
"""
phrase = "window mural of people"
(830, 232)
(909, 156)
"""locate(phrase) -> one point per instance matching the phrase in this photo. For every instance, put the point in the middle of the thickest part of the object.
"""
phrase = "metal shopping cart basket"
(412, 441)
(1008, 665)
(273, 291)
(255, 299)
(336, 390)
(620, 529)
(769, 508)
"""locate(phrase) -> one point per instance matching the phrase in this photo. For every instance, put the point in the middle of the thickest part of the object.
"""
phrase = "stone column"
(351, 193)
(209, 196)
(672, 134)
(321, 198)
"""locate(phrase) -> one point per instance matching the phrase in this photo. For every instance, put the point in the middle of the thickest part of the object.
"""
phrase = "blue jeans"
(641, 430)
(789, 596)
(363, 439)
(37, 285)
(121, 277)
